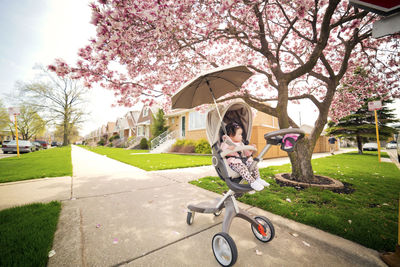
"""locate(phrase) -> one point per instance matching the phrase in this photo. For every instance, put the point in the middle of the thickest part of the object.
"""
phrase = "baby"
(240, 162)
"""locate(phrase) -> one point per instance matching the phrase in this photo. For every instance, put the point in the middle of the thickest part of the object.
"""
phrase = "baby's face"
(238, 136)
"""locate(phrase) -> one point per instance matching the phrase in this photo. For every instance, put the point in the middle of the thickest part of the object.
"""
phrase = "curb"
(33, 180)
(355, 253)
(348, 249)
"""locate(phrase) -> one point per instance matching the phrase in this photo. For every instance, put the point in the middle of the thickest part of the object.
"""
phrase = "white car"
(391, 145)
(370, 147)
(24, 147)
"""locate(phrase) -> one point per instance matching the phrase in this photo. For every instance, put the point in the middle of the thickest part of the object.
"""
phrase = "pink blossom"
(159, 45)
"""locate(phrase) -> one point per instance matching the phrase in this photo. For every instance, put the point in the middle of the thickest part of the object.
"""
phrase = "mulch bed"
(324, 182)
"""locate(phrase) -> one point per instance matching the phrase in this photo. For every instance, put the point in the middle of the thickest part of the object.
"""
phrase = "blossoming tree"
(298, 49)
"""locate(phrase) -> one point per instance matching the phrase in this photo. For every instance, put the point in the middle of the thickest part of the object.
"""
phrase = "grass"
(152, 162)
(52, 162)
(367, 216)
(27, 234)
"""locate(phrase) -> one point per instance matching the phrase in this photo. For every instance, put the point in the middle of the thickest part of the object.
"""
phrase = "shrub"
(187, 149)
(110, 145)
(180, 142)
(190, 143)
(191, 146)
(203, 147)
(175, 148)
(101, 142)
(112, 138)
(143, 144)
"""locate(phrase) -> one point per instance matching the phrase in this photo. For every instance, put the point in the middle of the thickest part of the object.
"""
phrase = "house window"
(172, 120)
(197, 120)
(145, 112)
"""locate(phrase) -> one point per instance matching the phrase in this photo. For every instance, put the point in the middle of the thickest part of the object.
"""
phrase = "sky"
(39, 31)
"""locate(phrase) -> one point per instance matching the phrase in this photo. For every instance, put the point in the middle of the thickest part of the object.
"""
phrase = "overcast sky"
(38, 31)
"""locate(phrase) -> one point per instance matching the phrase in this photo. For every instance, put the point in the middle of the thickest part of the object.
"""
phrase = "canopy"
(238, 112)
(210, 85)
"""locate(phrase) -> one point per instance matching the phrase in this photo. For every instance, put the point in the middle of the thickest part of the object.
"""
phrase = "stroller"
(223, 246)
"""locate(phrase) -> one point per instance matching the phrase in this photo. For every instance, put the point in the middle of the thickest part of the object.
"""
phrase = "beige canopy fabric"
(210, 85)
(238, 112)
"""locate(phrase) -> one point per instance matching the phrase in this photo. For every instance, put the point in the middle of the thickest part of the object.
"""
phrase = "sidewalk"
(116, 214)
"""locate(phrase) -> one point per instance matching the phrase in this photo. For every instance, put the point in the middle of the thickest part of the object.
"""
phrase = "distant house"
(110, 130)
(145, 120)
(122, 127)
(126, 125)
(132, 117)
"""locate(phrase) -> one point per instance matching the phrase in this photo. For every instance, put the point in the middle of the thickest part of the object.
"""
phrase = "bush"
(180, 142)
(110, 145)
(143, 144)
(101, 142)
(191, 146)
(112, 138)
(203, 147)
(177, 147)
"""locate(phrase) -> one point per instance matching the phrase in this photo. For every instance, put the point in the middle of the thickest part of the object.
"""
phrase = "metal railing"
(162, 138)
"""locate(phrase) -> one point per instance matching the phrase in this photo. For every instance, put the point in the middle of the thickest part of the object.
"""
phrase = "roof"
(177, 112)
(135, 114)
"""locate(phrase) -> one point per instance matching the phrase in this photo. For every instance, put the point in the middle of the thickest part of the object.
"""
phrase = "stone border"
(335, 184)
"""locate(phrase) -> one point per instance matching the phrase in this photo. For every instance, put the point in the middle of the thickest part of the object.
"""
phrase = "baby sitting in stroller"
(241, 161)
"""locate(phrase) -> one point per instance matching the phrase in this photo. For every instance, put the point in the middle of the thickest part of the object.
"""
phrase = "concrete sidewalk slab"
(185, 175)
(37, 190)
(284, 250)
(98, 175)
(119, 227)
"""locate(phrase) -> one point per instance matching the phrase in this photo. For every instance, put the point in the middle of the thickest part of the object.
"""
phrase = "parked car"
(391, 145)
(370, 147)
(38, 146)
(43, 143)
(54, 143)
(4, 142)
(24, 147)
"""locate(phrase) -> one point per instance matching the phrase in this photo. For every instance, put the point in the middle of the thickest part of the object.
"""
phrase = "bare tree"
(59, 98)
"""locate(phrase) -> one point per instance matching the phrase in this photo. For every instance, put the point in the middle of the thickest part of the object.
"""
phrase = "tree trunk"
(359, 144)
(65, 136)
(300, 159)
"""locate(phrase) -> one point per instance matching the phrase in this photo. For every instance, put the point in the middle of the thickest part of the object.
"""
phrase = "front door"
(183, 126)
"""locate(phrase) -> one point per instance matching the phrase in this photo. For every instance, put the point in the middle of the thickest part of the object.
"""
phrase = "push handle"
(275, 138)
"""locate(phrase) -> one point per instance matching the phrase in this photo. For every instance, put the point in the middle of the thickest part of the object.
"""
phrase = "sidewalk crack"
(82, 238)
(164, 246)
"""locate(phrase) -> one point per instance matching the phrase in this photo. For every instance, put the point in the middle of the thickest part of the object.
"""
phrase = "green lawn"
(152, 162)
(367, 216)
(27, 234)
(53, 162)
